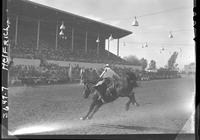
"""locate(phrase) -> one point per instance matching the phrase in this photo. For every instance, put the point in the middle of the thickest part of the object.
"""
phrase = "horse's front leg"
(97, 106)
(89, 111)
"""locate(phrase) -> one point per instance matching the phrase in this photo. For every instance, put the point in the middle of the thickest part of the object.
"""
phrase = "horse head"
(86, 91)
(89, 79)
(89, 76)
(131, 79)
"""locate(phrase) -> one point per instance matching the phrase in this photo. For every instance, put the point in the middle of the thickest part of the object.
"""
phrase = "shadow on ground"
(138, 128)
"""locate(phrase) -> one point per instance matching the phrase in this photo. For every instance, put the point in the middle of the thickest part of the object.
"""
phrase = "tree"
(152, 65)
(132, 59)
(172, 61)
(144, 63)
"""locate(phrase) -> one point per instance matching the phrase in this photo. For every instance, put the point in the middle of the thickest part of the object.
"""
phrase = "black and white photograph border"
(78, 69)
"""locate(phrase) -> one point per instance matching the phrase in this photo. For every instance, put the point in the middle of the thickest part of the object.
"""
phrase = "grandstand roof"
(34, 10)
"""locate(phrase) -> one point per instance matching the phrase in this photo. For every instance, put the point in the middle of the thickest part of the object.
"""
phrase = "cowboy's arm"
(103, 73)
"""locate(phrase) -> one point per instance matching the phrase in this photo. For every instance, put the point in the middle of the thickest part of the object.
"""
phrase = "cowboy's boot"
(101, 97)
(99, 94)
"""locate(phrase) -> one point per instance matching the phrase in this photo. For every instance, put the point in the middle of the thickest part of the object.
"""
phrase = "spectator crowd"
(49, 74)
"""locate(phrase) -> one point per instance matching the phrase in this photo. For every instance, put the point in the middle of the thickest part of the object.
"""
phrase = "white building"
(191, 68)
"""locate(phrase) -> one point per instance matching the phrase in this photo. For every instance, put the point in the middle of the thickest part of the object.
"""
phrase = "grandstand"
(34, 35)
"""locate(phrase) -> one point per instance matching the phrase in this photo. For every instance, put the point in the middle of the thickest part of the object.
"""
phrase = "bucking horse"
(124, 88)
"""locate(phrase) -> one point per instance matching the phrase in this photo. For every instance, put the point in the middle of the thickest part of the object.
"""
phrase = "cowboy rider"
(109, 77)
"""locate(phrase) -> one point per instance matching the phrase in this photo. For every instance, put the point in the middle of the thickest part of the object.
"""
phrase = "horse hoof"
(88, 118)
(82, 118)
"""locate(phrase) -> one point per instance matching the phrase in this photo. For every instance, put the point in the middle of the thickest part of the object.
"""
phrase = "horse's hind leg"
(128, 104)
(90, 110)
(133, 100)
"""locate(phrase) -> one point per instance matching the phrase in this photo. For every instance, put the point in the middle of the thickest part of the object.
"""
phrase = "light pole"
(109, 39)
(97, 41)
(135, 22)
(62, 29)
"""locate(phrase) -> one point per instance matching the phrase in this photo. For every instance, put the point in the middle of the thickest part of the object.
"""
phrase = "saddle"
(106, 87)
(102, 83)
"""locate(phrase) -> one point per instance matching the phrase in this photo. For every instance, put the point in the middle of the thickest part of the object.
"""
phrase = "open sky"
(156, 19)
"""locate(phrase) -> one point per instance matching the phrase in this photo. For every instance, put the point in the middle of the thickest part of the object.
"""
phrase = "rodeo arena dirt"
(49, 51)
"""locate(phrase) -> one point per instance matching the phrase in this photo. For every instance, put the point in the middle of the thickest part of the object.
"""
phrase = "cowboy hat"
(107, 65)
